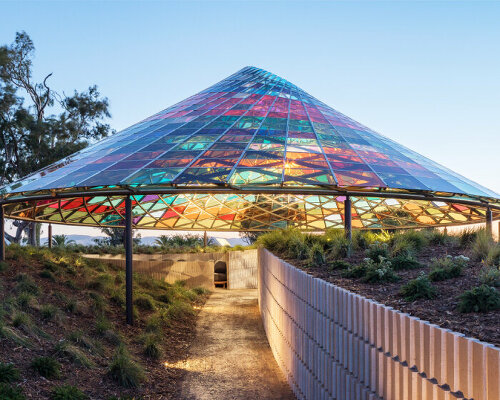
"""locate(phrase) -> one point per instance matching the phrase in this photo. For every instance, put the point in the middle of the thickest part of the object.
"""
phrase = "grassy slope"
(58, 305)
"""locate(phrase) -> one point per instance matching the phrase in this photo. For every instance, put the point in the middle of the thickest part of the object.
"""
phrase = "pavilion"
(253, 152)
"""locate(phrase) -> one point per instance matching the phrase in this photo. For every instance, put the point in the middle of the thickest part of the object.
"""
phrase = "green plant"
(24, 300)
(3, 266)
(124, 370)
(356, 271)
(467, 237)
(436, 237)
(46, 274)
(21, 319)
(379, 272)
(98, 302)
(376, 250)
(102, 324)
(145, 302)
(418, 288)
(200, 290)
(14, 336)
(317, 254)
(493, 257)
(8, 392)
(490, 276)
(8, 373)
(413, 239)
(25, 284)
(151, 346)
(482, 245)
(404, 262)
(339, 264)
(48, 311)
(479, 299)
(47, 367)
(67, 392)
(101, 282)
(73, 353)
(447, 268)
(71, 305)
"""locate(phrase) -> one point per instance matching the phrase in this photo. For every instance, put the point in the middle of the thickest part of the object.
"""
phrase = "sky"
(426, 74)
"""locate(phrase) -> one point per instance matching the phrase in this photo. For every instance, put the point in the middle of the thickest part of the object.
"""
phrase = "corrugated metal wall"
(242, 269)
(334, 344)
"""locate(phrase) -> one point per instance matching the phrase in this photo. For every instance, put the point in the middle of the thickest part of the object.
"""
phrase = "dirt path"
(230, 357)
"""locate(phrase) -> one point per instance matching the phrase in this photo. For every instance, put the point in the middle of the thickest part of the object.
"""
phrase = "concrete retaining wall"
(334, 344)
(242, 269)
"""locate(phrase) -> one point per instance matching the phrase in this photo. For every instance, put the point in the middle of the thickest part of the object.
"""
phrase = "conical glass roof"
(253, 151)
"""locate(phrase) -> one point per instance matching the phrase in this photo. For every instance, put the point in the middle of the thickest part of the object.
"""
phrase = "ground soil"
(441, 311)
(230, 357)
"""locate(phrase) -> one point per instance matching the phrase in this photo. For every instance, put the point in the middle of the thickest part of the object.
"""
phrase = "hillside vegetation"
(63, 335)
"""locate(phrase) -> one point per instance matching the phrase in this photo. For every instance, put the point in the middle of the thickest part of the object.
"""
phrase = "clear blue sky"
(426, 74)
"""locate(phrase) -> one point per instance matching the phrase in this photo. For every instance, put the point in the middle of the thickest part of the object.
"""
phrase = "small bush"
(21, 320)
(417, 240)
(482, 245)
(418, 288)
(3, 266)
(357, 271)
(479, 299)
(73, 353)
(48, 311)
(102, 325)
(145, 302)
(67, 392)
(379, 272)
(71, 284)
(118, 297)
(8, 373)
(25, 284)
(490, 276)
(152, 347)
(154, 323)
(467, 237)
(437, 238)
(493, 257)
(101, 283)
(447, 268)
(24, 300)
(71, 306)
(404, 262)
(8, 392)
(46, 274)
(339, 264)
(47, 367)
(124, 370)
(98, 302)
(317, 254)
(200, 290)
(376, 250)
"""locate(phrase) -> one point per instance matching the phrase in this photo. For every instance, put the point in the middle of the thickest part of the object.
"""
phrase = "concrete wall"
(196, 269)
(242, 269)
(334, 344)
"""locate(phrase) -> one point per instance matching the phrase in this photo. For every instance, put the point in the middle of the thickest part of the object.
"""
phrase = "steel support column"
(2, 235)
(128, 260)
(489, 221)
(205, 239)
(348, 221)
(50, 236)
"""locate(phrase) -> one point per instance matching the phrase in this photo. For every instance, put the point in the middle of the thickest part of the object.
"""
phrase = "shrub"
(376, 250)
(102, 324)
(25, 284)
(8, 373)
(67, 392)
(73, 353)
(3, 266)
(124, 370)
(482, 245)
(447, 268)
(200, 290)
(47, 367)
(479, 299)
(101, 282)
(339, 264)
(379, 272)
(118, 297)
(24, 300)
(493, 257)
(98, 302)
(490, 276)
(71, 305)
(145, 302)
(297, 248)
(404, 261)
(21, 320)
(71, 284)
(357, 271)
(437, 238)
(48, 311)
(46, 274)
(154, 323)
(467, 237)
(317, 254)
(416, 240)
(151, 347)
(8, 392)
(418, 288)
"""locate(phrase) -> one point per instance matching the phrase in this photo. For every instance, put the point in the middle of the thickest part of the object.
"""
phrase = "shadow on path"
(230, 357)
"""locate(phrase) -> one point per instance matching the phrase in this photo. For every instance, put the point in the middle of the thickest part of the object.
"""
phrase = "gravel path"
(230, 357)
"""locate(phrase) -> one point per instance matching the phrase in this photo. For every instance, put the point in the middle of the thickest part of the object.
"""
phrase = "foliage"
(145, 302)
(124, 370)
(404, 261)
(357, 271)
(8, 373)
(48, 311)
(317, 254)
(67, 392)
(3, 266)
(181, 241)
(418, 288)
(116, 237)
(447, 268)
(73, 353)
(339, 264)
(151, 346)
(412, 239)
(47, 367)
(26, 284)
(467, 237)
(62, 241)
(483, 243)
(380, 271)
(493, 257)
(47, 275)
(490, 276)
(479, 299)
(8, 392)
(377, 250)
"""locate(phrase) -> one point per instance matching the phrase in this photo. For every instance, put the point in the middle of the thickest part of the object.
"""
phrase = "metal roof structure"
(252, 152)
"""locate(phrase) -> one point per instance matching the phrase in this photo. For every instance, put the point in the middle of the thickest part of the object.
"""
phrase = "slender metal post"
(2, 234)
(489, 221)
(348, 222)
(205, 239)
(128, 260)
(50, 236)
